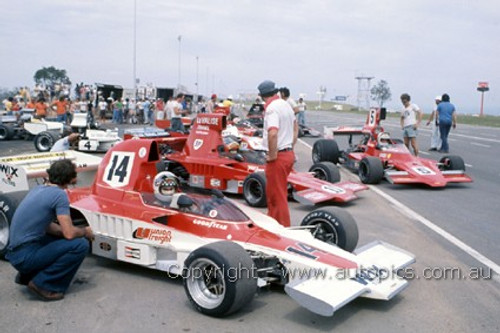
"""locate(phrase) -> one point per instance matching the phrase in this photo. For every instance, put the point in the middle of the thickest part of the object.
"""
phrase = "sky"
(421, 47)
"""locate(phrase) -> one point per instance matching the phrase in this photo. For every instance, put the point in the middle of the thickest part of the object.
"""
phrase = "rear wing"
(372, 125)
(22, 172)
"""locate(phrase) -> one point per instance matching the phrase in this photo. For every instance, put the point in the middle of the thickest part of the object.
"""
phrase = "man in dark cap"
(280, 134)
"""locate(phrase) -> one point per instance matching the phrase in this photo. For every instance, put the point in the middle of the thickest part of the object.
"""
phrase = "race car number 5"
(117, 172)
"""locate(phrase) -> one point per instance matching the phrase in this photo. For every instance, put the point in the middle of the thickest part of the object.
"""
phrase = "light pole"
(197, 83)
(135, 49)
(179, 81)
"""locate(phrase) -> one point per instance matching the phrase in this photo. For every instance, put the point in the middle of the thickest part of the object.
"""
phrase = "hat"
(267, 88)
(213, 96)
(438, 98)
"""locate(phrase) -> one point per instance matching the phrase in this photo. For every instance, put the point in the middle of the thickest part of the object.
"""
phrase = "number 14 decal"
(117, 172)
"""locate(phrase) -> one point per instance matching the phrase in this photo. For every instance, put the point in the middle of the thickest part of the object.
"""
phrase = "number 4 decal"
(117, 172)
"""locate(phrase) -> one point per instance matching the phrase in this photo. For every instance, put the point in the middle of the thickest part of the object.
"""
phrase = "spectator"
(66, 142)
(61, 106)
(280, 134)
(434, 121)
(211, 104)
(411, 116)
(176, 110)
(41, 108)
(447, 119)
(301, 111)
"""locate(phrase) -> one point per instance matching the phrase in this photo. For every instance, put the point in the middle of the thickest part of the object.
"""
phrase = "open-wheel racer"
(224, 250)
(377, 156)
(211, 160)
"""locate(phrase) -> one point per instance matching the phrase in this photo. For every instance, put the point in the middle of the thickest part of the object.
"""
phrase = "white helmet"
(384, 138)
(165, 185)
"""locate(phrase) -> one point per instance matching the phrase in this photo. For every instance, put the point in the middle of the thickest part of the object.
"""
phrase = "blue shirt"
(445, 110)
(38, 209)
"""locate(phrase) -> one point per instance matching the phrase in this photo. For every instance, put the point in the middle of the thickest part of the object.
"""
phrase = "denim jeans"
(51, 263)
(444, 129)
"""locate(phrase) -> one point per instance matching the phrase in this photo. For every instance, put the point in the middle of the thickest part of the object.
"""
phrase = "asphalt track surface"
(445, 294)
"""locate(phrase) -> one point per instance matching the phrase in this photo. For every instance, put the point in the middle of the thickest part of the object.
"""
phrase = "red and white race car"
(376, 156)
(224, 250)
(212, 161)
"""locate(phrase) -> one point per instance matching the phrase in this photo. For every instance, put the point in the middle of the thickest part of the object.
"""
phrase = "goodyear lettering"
(210, 224)
(155, 235)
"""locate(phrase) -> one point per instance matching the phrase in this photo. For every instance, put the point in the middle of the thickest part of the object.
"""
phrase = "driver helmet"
(165, 185)
(384, 139)
(231, 145)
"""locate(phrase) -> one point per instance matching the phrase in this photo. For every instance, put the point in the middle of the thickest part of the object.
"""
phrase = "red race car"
(376, 156)
(213, 161)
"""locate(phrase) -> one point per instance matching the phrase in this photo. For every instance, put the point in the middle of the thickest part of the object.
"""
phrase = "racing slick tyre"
(326, 171)
(452, 162)
(254, 189)
(45, 140)
(371, 170)
(6, 132)
(333, 226)
(8, 205)
(325, 150)
(219, 278)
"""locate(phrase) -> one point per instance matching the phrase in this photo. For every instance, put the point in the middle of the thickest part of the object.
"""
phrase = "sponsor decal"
(240, 183)
(9, 172)
(372, 274)
(155, 235)
(105, 246)
(210, 224)
(332, 189)
(142, 152)
(214, 182)
(197, 144)
(203, 128)
(36, 157)
(132, 252)
(207, 121)
(304, 250)
(244, 146)
(423, 171)
(254, 168)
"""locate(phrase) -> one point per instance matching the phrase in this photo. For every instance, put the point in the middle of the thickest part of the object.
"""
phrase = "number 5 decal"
(117, 172)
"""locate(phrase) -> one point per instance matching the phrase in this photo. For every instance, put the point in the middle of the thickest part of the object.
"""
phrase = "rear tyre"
(326, 171)
(45, 140)
(452, 162)
(6, 132)
(371, 170)
(325, 150)
(254, 189)
(219, 278)
(8, 205)
(333, 226)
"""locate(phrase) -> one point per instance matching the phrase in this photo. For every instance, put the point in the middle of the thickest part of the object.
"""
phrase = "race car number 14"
(117, 172)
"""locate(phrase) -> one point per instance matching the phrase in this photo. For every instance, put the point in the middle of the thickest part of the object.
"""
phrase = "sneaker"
(43, 294)
(433, 149)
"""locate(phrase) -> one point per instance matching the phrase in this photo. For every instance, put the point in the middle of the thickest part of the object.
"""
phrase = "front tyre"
(371, 170)
(326, 171)
(254, 189)
(452, 162)
(219, 278)
(333, 226)
(8, 205)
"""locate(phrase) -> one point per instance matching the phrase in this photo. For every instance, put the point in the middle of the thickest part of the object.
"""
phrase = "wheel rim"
(320, 174)
(205, 283)
(253, 190)
(4, 231)
(324, 232)
(44, 143)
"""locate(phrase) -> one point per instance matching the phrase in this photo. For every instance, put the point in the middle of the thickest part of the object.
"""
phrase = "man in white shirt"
(176, 112)
(411, 116)
(280, 134)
